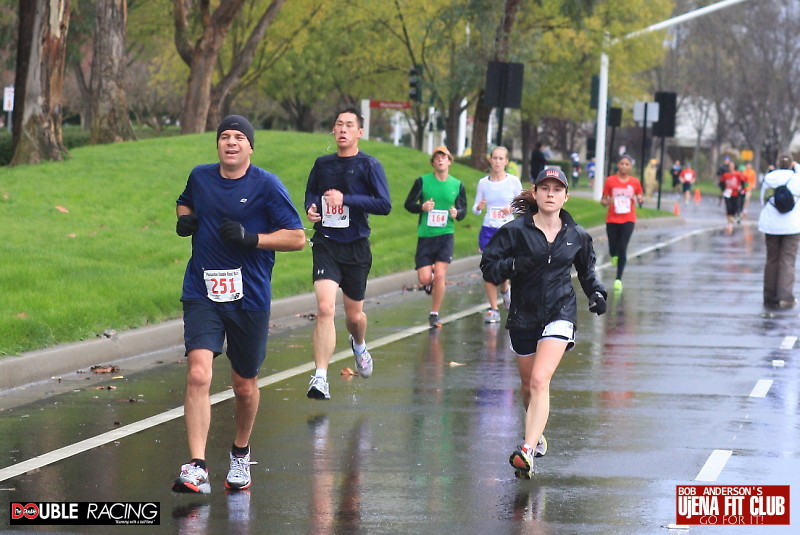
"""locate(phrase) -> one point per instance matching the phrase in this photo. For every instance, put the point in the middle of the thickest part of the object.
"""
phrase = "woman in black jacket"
(536, 252)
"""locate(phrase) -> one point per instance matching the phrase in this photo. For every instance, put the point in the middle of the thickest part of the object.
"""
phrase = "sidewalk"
(113, 348)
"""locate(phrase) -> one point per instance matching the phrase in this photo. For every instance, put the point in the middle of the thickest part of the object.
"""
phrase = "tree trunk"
(480, 125)
(480, 129)
(109, 118)
(41, 56)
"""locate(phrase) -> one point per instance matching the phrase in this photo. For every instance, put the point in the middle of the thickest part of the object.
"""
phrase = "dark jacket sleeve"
(461, 203)
(414, 200)
(497, 261)
(378, 201)
(585, 266)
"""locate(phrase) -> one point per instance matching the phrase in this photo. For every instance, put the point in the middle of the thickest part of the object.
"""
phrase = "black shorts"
(434, 249)
(347, 264)
(732, 205)
(524, 343)
(205, 327)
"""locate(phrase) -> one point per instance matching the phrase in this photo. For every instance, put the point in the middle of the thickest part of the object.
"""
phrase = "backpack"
(782, 199)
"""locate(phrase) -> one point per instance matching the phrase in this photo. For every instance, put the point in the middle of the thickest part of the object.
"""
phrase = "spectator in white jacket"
(782, 234)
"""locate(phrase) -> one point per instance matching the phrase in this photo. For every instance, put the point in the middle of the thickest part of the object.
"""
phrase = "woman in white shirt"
(495, 193)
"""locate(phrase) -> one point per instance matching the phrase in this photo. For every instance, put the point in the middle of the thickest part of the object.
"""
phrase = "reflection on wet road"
(650, 391)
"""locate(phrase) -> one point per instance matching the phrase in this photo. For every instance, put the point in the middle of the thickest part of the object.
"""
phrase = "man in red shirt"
(732, 184)
(687, 178)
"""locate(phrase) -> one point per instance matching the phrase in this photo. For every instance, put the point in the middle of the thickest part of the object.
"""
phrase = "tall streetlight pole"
(602, 94)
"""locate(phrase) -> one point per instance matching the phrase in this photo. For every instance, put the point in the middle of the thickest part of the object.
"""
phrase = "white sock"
(360, 348)
(434, 313)
(321, 372)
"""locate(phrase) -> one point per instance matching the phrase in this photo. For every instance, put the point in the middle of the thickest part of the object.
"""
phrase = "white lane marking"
(778, 363)
(158, 419)
(788, 342)
(761, 388)
(152, 421)
(714, 465)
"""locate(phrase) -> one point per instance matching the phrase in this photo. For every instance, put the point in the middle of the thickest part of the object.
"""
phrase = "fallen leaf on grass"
(348, 371)
(453, 364)
(21, 315)
(109, 387)
(62, 209)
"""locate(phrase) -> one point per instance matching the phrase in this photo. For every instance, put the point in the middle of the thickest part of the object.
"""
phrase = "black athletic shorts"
(205, 327)
(434, 249)
(347, 264)
(524, 343)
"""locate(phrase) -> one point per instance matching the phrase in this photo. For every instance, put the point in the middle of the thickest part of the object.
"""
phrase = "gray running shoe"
(318, 388)
(492, 316)
(239, 474)
(433, 321)
(192, 479)
(363, 360)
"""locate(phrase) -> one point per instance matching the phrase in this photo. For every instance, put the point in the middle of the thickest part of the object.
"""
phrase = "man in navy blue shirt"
(342, 190)
(238, 215)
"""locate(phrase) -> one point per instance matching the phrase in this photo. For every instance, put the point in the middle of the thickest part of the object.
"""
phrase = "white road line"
(788, 342)
(158, 419)
(714, 465)
(761, 388)
(152, 421)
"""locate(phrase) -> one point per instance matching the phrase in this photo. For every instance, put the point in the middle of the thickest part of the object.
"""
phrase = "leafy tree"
(202, 54)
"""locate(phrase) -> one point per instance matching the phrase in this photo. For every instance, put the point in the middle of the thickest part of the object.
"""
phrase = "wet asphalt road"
(651, 390)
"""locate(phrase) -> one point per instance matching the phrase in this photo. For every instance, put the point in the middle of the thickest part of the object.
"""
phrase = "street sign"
(390, 104)
(8, 98)
(639, 110)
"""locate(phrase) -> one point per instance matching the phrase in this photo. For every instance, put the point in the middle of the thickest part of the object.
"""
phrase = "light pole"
(602, 94)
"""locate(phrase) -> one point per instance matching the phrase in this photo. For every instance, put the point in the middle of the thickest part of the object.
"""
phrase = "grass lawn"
(90, 243)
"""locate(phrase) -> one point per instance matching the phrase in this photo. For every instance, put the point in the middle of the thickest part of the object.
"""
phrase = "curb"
(40, 365)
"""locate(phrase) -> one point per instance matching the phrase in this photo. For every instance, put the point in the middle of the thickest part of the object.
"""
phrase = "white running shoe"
(363, 360)
(239, 474)
(318, 388)
(522, 461)
(506, 298)
(541, 447)
(192, 479)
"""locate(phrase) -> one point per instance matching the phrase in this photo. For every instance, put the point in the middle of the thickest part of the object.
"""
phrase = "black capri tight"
(619, 234)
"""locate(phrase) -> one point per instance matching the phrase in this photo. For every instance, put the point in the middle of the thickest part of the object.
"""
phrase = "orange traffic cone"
(676, 209)
(697, 195)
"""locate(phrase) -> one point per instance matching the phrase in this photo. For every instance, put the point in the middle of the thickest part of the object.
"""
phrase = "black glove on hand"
(233, 231)
(187, 225)
(597, 304)
(524, 263)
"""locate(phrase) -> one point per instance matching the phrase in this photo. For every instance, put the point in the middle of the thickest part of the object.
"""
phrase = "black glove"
(524, 263)
(187, 225)
(597, 304)
(233, 231)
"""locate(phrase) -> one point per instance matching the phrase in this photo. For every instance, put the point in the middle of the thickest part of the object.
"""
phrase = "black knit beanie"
(237, 122)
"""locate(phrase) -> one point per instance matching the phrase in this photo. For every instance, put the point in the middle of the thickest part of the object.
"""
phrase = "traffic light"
(415, 83)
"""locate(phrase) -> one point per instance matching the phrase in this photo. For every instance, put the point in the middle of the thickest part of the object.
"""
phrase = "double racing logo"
(85, 513)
